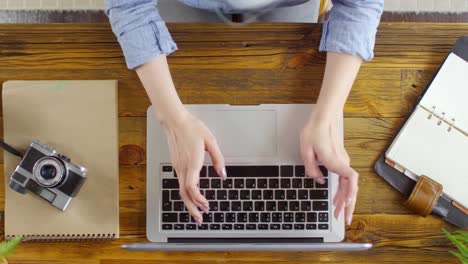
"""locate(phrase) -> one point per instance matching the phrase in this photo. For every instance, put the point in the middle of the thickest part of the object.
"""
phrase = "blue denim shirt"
(143, 35)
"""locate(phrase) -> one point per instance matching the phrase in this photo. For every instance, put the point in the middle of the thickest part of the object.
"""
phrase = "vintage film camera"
(49, 175)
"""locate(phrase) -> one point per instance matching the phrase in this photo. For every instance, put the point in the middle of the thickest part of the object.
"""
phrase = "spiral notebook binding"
(65, 237)
(442, 118)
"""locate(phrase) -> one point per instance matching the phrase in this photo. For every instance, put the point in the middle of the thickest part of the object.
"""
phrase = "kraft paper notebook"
(434, 140)
(79, 120)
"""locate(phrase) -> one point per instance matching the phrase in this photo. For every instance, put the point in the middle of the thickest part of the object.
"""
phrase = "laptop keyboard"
(252, 198)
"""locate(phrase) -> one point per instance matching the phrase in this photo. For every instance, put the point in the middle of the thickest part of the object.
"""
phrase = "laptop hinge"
(245, 240)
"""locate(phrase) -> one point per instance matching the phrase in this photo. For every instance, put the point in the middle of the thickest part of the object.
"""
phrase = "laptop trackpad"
(246, 133)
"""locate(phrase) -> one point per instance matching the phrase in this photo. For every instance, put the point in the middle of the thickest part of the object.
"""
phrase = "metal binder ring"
(441, 119)
(451, 125)
(432, 113)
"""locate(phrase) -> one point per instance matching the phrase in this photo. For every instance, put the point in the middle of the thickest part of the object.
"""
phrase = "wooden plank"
(419, 239)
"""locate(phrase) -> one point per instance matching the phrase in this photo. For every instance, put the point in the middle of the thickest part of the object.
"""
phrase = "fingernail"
(321, 180)
(223, 173)
(199, 221)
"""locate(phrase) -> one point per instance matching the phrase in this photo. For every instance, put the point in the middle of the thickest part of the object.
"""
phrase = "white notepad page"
(425, 146)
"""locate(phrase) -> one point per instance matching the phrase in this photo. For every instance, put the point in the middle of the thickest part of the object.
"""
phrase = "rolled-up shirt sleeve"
(351, 27)
(141, 32)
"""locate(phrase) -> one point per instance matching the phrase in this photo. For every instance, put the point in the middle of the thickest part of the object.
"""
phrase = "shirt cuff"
(348, 37)
(146, 42)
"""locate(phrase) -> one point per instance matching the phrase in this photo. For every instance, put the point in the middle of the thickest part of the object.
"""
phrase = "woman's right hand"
(188, 138)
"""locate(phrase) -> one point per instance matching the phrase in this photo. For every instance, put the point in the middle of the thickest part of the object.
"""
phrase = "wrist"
(325, 114)
(170, 117)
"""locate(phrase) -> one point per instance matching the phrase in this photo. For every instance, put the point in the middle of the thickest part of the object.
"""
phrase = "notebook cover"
(445, 207)
(79, 120)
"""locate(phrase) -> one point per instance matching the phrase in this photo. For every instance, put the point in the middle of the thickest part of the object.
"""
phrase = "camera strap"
(10, 149)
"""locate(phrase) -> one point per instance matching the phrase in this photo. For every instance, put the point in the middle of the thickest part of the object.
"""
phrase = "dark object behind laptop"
(49, 175)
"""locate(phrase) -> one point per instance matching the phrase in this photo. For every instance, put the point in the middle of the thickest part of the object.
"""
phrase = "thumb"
(216, 156)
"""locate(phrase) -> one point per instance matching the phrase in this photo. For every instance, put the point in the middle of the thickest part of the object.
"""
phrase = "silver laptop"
(266, 201)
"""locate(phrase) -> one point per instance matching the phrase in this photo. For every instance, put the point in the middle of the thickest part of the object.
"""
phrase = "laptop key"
(294, 206)
(251, 226)
(226, 226)
(271, 206)
(303, 194)
(253, 217)
(179, 227)
(286, 171)
(275, 226)
(239, 183)
(250, 183)
(282, 206)
(236, 206)
(299, 226)
(203, 172)
(166, 168)
(204, 183)
(286, 226)
(245, 194)
(213, 205)
(267, 194)
(311, 217)
(256, 194)
(318, 194)
(203, 227)
(167, 206)
(265, 217)
(184, 217)
(224, 206)
(288, 217)
(175, 196)
(323, 226)
(166, 196)
(239, 227)
(279, 194)
(215, 227)
(324, 185)
(242, 217)
(227, 184)
(247, 206)
(311, 226)
(219, 217)
(286, 183)
(252, 171)
(167, 226)
(276, 217)
(190, 227)
(297, 183)
(170, 184)
(262, 226)
(320, 205)
(210, 194)
(324, 171)
(207, 218)
(300, 171)
(179, 206)
(323, 217)
(262, 183)
(273, 183)
(215, 183)
(259, 205)
(300, 217)
(221, 195)
(291, 194)
(169, 218)
(230, 217)
(308, 183)
(233, 194)
(306, 206)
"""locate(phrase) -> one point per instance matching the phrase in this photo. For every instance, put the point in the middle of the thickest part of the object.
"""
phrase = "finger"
(216, 156)
(340, 197)
(311, 165)
(337, 165)
(191, 207)
(349, 210)
(192, 179)
(352, 187)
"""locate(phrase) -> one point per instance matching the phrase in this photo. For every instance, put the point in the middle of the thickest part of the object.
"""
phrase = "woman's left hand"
(321, 144)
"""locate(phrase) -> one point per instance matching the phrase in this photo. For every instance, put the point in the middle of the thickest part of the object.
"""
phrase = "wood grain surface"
(259, 63)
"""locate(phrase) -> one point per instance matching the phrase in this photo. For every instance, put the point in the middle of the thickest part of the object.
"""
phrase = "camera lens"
(48, 171)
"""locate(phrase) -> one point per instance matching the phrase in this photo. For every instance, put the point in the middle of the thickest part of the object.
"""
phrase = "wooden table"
(264, 63)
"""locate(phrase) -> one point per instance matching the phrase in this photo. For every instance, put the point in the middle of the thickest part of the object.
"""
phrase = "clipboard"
(444, 207)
